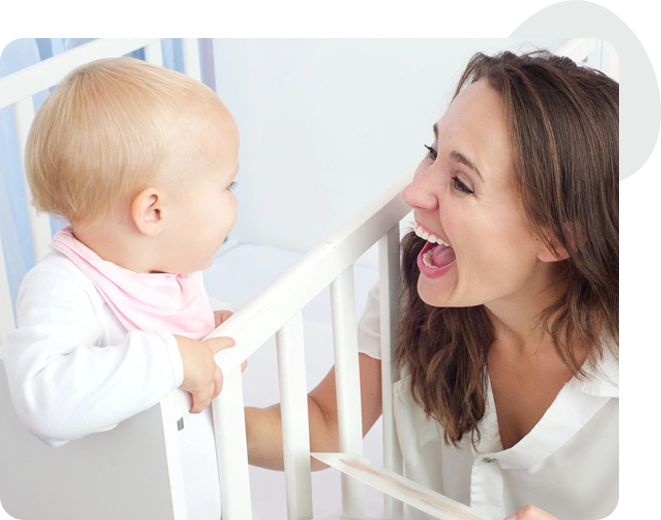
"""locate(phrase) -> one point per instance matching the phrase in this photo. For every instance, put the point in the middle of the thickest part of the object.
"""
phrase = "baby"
(140, 160)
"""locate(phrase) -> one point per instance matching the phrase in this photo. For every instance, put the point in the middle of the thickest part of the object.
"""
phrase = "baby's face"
(204, 208)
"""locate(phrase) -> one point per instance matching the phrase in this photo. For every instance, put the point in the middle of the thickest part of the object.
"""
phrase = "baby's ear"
(147, 212)
(575, 236)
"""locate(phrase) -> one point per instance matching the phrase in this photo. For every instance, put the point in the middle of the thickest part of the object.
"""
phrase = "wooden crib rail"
(393, 484)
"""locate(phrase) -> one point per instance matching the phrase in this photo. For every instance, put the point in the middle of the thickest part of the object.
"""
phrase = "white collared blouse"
(567, 465)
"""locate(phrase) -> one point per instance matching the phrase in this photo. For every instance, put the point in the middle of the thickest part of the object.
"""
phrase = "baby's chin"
(187, 269)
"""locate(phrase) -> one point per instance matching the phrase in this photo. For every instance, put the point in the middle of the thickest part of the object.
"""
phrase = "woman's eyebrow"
(460, 158)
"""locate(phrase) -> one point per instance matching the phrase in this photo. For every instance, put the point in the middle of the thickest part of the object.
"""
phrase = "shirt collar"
(576, 403)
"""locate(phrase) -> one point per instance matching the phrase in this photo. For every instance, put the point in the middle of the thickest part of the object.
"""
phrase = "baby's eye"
(232, 186)
(432, 153)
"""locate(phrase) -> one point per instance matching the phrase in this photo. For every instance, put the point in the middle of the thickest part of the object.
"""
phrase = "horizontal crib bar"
(408, 491)
(31, 80)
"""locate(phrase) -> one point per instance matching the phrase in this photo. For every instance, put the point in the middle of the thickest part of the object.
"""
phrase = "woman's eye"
(232, 186)
(460, 186)
(432, 153)
(456, 182)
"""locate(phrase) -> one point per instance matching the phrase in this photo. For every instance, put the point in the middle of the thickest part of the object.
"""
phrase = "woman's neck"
(516, 319)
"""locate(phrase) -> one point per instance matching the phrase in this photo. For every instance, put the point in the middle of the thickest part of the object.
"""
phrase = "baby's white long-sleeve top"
(73, 369)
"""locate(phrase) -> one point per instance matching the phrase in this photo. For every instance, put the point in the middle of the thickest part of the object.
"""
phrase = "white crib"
(103, 476)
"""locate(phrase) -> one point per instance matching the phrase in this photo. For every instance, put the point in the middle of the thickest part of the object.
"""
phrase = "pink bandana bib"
(150, 302)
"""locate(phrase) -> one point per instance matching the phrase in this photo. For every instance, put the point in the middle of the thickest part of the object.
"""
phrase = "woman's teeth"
(426, 259)
(419, 230)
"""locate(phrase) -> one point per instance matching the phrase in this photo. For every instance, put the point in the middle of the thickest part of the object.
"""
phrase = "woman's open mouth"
(436, 257)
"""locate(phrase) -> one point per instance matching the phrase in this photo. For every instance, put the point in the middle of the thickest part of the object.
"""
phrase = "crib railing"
(277, 310)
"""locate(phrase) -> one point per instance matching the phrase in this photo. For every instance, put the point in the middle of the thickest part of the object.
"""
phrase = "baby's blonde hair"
(107, 131)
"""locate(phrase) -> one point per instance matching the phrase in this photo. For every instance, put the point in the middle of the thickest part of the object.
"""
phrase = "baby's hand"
(221, 317)
(202, 376)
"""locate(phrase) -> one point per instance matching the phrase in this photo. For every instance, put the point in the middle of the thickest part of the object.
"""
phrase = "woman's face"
(464, 194)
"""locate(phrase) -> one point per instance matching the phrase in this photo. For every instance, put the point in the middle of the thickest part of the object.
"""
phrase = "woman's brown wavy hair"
(563, 122)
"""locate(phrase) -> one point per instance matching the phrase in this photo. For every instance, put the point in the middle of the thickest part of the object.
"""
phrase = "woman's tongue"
(442, 256)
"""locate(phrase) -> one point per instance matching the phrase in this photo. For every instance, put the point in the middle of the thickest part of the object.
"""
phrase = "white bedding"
(240, 272)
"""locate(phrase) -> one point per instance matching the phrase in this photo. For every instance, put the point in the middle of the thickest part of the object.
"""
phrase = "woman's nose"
(419, 195)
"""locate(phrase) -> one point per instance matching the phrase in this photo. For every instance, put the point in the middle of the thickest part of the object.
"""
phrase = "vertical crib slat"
(389, 287)
(229, 423)
(39, 223)
(154, 53)
(295, 423)
(578, 49)
(7, 322)
(610, 60)
(347, 382)
(192, 58)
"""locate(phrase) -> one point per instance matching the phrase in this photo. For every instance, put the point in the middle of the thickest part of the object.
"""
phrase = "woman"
(509, 328)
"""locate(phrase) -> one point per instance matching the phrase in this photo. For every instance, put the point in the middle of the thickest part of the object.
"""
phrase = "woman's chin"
(433, 294)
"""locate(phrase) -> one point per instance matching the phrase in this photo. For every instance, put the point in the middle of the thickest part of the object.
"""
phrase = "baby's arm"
(63, 385)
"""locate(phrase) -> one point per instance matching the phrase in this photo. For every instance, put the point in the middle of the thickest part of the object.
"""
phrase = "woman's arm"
(264, 427)
(531, 513)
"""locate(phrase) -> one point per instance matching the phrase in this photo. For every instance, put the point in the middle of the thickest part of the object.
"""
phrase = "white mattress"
(240, 272)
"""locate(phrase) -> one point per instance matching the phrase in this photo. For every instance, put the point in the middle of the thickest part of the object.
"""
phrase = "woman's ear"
(148, 212)
(575, 236)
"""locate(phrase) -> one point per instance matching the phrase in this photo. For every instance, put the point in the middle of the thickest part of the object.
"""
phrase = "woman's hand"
(222, 317)
(531, 513)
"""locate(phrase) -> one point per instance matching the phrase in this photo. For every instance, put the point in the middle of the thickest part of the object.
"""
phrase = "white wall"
(328, 124)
